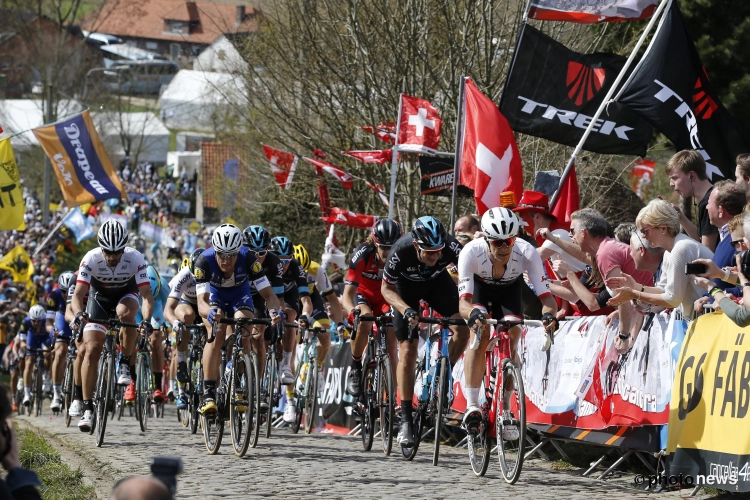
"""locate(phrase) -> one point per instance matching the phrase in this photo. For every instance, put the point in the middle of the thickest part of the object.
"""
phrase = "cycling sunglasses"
(226, 256)
(261, 253)
(431, 251)
(502, 243)
(285, 261)
(113, 254)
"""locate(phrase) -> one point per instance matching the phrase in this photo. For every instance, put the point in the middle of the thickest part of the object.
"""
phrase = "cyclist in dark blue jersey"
(33, 335)
(56, 304)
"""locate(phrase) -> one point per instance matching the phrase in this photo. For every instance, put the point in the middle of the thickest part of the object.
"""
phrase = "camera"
(745, 263)
(166, 469)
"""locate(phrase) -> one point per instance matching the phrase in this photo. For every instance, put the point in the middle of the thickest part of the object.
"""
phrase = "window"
(174, 51)
(152, 45)
(176, 27)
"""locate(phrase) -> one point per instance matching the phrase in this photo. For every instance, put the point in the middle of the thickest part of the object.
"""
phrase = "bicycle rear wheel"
(67, 391)
(240, 409)
(213, 429)
(38, 395)
(103, 398)
(418, 416)
(120, 401)
(311, 395)
(254, 400)
(480, 446)
(196, 379)
(511, 451)
(441, 405)
(143, 391)
(386, 397)
(371, 393)
(271, 388)
(97, 392)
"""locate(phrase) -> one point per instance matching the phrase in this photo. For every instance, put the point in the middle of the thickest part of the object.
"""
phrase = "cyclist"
(222, 283)
(33, 335)
(76, 408)
(362, 292)
(160, 292)
(113, 274)
(416, 270)
(491, 272)
(56, 303)
(182, 309)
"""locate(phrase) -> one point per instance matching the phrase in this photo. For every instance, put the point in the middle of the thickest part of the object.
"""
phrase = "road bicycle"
(189, 415)
(378, 392)
(306, 379)
(270, 385)
(144, 383)
(501, 417)
(68, 382)
(37, 394)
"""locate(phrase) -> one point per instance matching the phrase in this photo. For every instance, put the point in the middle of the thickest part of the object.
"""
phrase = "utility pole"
(47, 164)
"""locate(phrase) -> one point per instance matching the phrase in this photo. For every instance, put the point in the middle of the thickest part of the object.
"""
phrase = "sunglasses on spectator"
(113, 254)
(285, 260)
(572, 231)
(226, 256)
(431, 251)
(502, 243)
(737, 242)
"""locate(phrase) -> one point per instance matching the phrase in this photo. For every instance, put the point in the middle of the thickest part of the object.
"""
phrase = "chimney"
(240, 15)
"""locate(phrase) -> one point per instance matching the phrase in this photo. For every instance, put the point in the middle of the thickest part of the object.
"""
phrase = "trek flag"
(670, 89)
(641, 175)
(80, 163)
(380, 156)
(344, 177)
(11, 194)
(283, 165)
(553, 93)
(568, 200)
(17, 261)
(592, 11)
(490, 162)
(79, 225)
(419, 126)
(351, 219)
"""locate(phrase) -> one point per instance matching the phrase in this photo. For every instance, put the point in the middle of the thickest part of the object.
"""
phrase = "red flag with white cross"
(418, 126)
(282, 165)
(379, 156)
(344, 177)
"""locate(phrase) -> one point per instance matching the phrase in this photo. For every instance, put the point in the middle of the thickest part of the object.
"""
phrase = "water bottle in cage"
(228, 371)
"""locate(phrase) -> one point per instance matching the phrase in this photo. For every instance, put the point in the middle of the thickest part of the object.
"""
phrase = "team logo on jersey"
(257, 266)
(50, 302)
(198, 272)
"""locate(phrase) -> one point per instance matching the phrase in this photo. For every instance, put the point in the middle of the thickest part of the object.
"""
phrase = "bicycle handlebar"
(242, 322)
(502, 322)
(441, 321)
(112, 323)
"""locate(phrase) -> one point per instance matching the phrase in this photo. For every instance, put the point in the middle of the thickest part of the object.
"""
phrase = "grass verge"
(60, 481)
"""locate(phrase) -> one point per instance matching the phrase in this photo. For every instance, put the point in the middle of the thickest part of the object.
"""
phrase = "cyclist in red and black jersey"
(362, 292)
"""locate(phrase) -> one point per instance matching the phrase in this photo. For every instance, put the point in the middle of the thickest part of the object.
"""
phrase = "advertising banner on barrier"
(708, 436)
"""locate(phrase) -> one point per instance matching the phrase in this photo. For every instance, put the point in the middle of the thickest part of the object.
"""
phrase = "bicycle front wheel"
(418, 417)
(371, 393)
(213, 429)
(311, 395)
(241, 411)
(480, 446)
(38, 395)
(254, 400)
(510, 423)
(104, 398)
(271, 388)
(386, 402)
(441, 405)
(68, 391)
(143, 391)
(196, 386)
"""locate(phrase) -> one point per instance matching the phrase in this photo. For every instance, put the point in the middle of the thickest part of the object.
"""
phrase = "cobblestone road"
(320, 465)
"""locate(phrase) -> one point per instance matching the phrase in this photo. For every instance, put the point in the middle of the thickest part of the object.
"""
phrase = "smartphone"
(695, 268)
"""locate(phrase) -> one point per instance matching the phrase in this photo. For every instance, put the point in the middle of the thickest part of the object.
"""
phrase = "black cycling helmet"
(386, 232)
(282, 246)
(429, 232)
(257, 237)
(194, 256)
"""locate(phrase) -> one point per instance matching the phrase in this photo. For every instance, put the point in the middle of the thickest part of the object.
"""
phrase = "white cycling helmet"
(500, 224)
(227, 238)
(112, 236)
(37, 312)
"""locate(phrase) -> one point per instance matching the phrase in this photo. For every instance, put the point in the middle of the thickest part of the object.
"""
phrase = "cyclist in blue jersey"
(222, 283)
(56, 304)
(33, 335)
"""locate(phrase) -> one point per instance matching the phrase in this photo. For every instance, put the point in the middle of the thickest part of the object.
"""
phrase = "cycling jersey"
(157, 318)
(55, 303)
(366, 275)
(475, 267)
(34, 338)
(72, 291)
(182, 286)
(402, 263)
(273, 269)
(113, 282)
(295, 277)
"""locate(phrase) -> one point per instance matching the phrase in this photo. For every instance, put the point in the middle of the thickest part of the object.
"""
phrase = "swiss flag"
(385, 131)
(282, 165)
(380, 190)
(567, 200)
(641, 175)
(379, 156)
(419, 126)
(490, 162)
(344, 177)
(350, 219)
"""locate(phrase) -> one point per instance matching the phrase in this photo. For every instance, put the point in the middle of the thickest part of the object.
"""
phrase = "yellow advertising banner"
(17, 261)
(708, 436)
(11, 194)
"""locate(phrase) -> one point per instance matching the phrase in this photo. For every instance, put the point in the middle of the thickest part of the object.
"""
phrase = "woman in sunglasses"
(490, 273)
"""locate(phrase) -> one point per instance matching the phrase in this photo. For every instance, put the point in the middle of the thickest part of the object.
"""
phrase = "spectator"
(687, 176)
(725, 202)
(20, 483)
(646, 257)
(659, 225)
(624, 231)
(742, 172)
(140, 488)
(468, 224)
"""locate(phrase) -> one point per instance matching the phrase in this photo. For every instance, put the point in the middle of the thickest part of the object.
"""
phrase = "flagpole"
(394, 161)
(610, 93)
(46, 240)
(459, 150)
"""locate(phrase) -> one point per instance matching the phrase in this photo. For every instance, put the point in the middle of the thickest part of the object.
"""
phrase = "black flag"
(670, 89)
(553, 92)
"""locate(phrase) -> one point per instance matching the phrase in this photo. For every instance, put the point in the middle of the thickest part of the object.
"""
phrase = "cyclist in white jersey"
(112, 275)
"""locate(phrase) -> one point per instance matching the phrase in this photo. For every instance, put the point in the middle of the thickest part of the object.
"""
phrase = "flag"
(490, 162)
(553, 93)
(12, 205)
(418, 126)
(283, 165)
(79, 224)
(17, 261)
(331, 253)
(344, 177)
(592, 11)
(568, 200)
(381, 192)
(80, 163)
(380, 156)
(351, 219)
(670, 89)
(385, 131)
(641, 175)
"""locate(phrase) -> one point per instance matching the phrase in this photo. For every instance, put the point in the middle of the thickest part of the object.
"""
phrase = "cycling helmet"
(112, 236)
(386, 232)
(301, 256)
(37, 312)
(65, 280)
(185, 263)
(227, 238)
(154, 280)
(194, 256)
(282, 246)
(429, 232)
(257, 237)
(500, 224)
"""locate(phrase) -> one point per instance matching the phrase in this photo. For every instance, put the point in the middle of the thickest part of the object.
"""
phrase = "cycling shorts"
(291, 299)
(261, 311)
(500, 301)
(193, 305)
(319, 317)
(35, 341)
(64, 333)
(378, 307)
(231, 300)
(440, 292)
(104, 306)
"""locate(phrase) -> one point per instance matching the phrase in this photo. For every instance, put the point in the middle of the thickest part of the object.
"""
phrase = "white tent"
(142, 134)
(196, 100)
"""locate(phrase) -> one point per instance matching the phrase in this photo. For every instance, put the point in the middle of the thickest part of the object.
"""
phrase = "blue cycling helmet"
(429, 232)
(282, 246)
(154, 280)
(257, 237)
